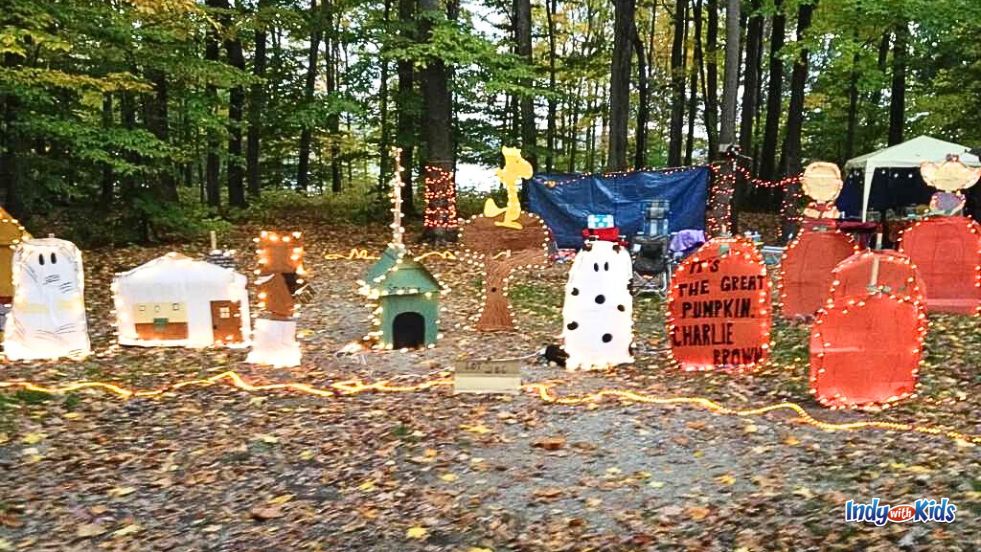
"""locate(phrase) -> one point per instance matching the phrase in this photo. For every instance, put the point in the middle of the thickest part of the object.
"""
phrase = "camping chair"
(653, 264)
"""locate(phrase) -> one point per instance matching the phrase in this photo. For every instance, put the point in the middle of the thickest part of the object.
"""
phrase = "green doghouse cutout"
(408, 298)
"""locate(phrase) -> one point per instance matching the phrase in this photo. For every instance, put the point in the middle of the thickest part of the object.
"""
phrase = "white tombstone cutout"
(274, 343)
(597, 315)
(47, 319)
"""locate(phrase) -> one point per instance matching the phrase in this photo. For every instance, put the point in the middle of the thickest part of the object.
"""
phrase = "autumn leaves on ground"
(215, 468)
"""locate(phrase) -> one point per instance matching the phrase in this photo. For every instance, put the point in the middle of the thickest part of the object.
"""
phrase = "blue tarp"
(565, 205)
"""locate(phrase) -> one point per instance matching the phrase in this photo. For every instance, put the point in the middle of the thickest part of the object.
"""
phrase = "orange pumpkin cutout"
(806, 269)
(719, 308)
(895, 275)
(947, 253)
(865, 351)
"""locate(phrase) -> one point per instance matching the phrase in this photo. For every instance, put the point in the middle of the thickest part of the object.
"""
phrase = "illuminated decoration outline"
(915, 292)
(715, 226)
(440, 189)
(274, 335)
(545, 391)
(839, 402)
(748, 251)
(397, 250)
(478, 260)
(11, 242)
(78, 303)
(791, 246)
(121, 310)
(975, 229)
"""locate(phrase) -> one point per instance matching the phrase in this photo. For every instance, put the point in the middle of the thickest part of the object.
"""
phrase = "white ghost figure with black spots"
(597, 315)
(47, 319)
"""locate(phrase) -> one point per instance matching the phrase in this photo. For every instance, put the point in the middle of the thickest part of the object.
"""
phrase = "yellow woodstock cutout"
(515, 168)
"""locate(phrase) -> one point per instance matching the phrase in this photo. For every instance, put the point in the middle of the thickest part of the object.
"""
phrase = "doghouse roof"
(397, 273)
(174, 268)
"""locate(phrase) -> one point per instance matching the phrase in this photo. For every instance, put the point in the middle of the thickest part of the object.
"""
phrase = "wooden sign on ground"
(488, 376)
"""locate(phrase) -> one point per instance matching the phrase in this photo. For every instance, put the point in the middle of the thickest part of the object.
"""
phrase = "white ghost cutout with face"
(47, 319)
(597, 315)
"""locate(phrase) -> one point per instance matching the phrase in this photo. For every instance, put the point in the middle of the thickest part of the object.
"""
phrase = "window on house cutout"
(156, 308)
(142, 308)
(176, 306)
(225, 312)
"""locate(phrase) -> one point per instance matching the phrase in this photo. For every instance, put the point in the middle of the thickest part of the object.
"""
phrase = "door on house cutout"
(408, 330)
(226, 321)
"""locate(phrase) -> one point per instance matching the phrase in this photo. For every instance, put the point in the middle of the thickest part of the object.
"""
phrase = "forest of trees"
(146, 113)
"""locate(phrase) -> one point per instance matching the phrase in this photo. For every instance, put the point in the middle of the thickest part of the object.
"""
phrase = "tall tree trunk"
(760, 99)
(405, 106)
(589, 116)
(897, 97)
(108, 177)
(550, 8)
(754, 35)
(257, 100)
(795, 119)
(573, 129)
(604, 135)
(852, 126)
(10, 148)
(127, 115)
(236, 112)
(526, 100)
(693, 86)
(383, 139)
(190, 137)
(332, 62)
(212, 161)
(712, 78)
(882, 63)
(795, 113)
(440, 217)
(727, 134)
(774, 96)
(623, 25)
(643, 103)
(157, 122)
(306, 136)
(676, 137)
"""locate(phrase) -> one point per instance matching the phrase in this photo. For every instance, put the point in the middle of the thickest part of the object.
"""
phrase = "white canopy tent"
(907, 155)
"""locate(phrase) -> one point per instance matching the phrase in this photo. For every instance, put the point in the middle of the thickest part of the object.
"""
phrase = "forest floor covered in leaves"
(216, 468)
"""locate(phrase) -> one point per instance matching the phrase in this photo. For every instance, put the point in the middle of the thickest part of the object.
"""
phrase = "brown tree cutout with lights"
(504, 240)
(280, 277)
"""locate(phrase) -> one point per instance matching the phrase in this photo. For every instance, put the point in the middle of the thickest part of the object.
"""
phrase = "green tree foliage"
(109, 109)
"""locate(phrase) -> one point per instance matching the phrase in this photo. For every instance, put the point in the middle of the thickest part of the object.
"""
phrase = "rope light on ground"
(545, 391)
(445, 255)
(363, 255)
(354, 254)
